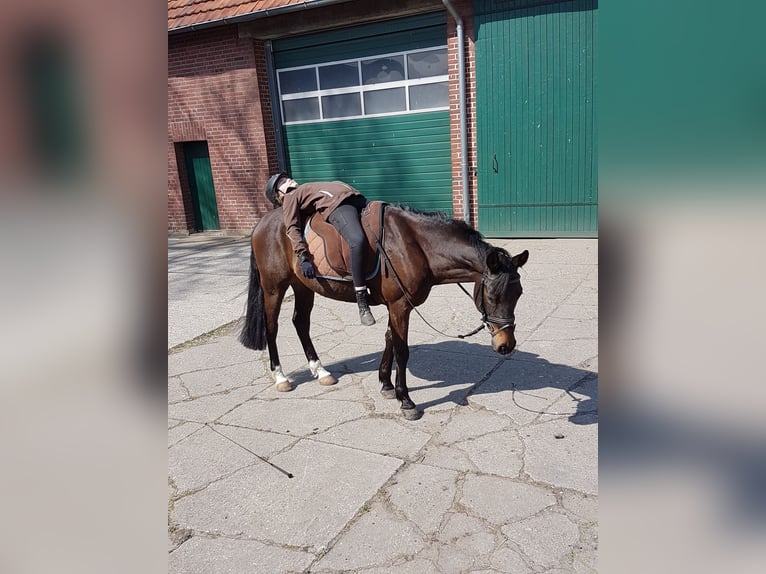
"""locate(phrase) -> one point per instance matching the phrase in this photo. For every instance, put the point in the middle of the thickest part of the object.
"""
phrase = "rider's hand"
(308, 269)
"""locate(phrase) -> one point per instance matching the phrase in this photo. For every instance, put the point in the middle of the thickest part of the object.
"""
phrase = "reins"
(485, 319)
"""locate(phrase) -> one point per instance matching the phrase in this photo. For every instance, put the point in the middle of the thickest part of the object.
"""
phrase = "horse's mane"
(457, 226)
(474, 237)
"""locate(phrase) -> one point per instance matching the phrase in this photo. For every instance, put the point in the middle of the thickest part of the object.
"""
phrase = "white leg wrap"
(321, 374)
(317, 370)
(281, 382)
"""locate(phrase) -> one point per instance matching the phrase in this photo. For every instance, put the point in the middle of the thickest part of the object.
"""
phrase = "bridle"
(494, 325)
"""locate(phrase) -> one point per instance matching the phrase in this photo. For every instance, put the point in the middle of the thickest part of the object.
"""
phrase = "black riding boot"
(364, 309)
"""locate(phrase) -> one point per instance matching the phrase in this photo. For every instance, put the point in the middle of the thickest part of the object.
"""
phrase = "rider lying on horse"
(340, 205)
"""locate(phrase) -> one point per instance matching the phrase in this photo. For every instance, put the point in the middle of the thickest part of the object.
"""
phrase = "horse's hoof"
(284, 387)
(327, 381)
(412, 414)
(388, 393)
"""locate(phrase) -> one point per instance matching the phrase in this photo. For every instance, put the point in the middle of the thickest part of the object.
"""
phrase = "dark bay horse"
(422, 250)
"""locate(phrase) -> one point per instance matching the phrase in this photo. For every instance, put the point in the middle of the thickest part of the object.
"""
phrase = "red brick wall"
(218, 92)
(465, 9)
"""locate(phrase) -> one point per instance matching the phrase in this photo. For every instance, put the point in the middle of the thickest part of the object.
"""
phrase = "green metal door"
(400, 154)
(536, 118)
(200, 177)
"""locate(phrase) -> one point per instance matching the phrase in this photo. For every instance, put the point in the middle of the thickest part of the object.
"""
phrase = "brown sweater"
(308, 198)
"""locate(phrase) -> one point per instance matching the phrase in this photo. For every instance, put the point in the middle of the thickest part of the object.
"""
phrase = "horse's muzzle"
(503, 342)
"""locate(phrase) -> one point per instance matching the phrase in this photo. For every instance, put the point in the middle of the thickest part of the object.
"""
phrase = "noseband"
(494, 325)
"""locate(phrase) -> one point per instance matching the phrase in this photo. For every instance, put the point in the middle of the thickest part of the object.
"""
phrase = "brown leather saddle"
(331, 254)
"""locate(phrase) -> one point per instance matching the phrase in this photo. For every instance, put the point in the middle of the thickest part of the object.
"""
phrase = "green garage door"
(369, 105)
(536, 118)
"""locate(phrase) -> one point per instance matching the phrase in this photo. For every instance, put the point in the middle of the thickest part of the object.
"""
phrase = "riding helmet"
(271, 187)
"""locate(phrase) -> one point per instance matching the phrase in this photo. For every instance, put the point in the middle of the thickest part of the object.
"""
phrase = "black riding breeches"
(345, 218)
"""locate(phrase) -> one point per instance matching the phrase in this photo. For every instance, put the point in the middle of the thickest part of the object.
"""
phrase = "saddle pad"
(331, 254)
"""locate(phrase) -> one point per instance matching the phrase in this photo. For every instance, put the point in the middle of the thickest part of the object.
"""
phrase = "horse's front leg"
(386, 364)
(304, 303)
(399, 320)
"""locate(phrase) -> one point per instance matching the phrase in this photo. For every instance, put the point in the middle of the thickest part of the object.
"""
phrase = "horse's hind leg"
(272, 301)
(304, 303)
(386, 364)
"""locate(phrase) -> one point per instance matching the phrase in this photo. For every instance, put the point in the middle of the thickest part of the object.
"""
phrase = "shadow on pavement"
(447, 365)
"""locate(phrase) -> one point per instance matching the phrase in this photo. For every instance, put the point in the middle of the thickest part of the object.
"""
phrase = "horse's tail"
(253, 335)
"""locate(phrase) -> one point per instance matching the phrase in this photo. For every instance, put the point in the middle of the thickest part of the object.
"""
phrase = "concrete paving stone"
(381, 406)
(207, 409)
(262, 443)
(585, 294)
(574, 352)
(424, 494)
(501, 500)
(498, 453)
(421, 335)
(570, 311)
(297, 417)
(555, 329)
(569, 462)
(444, 510)
(354, 358)
(554, 251)
(202, 300)
(552, 285)
(505, 559)
(548, 539)
(521, 388)
(383, 436)
(415, 566)
(204, 457)
(200, 555)
(554, 275)
(583, 506)
(465, 543)
(228, 343)
(176, 391)
(439, 380)
(304, 386)
(530, 312)
(375, 539)
(181, 431)
(579, 401)
(218, 353)
(346, 390)
(291, 355)
(585, 550)
(209, 381)
(471, 422)
(447, 457)
(430, 423)
(330, 484)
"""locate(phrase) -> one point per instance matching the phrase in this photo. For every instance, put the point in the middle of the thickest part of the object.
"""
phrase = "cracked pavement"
(499, 475)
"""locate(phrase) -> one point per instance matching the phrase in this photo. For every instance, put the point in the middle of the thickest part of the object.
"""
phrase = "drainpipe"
(276, 108)
(462, 107)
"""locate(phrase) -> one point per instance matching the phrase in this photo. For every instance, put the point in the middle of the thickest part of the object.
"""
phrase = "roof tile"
(187, 12)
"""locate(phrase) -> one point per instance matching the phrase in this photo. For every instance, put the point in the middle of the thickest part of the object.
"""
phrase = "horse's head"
(496, 296)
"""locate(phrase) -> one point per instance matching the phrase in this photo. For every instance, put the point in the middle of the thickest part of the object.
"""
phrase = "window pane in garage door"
(341, 106)
(383, 101)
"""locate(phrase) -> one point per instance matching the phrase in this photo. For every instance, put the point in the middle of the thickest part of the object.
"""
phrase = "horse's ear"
(520, 259)
(494, 261)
